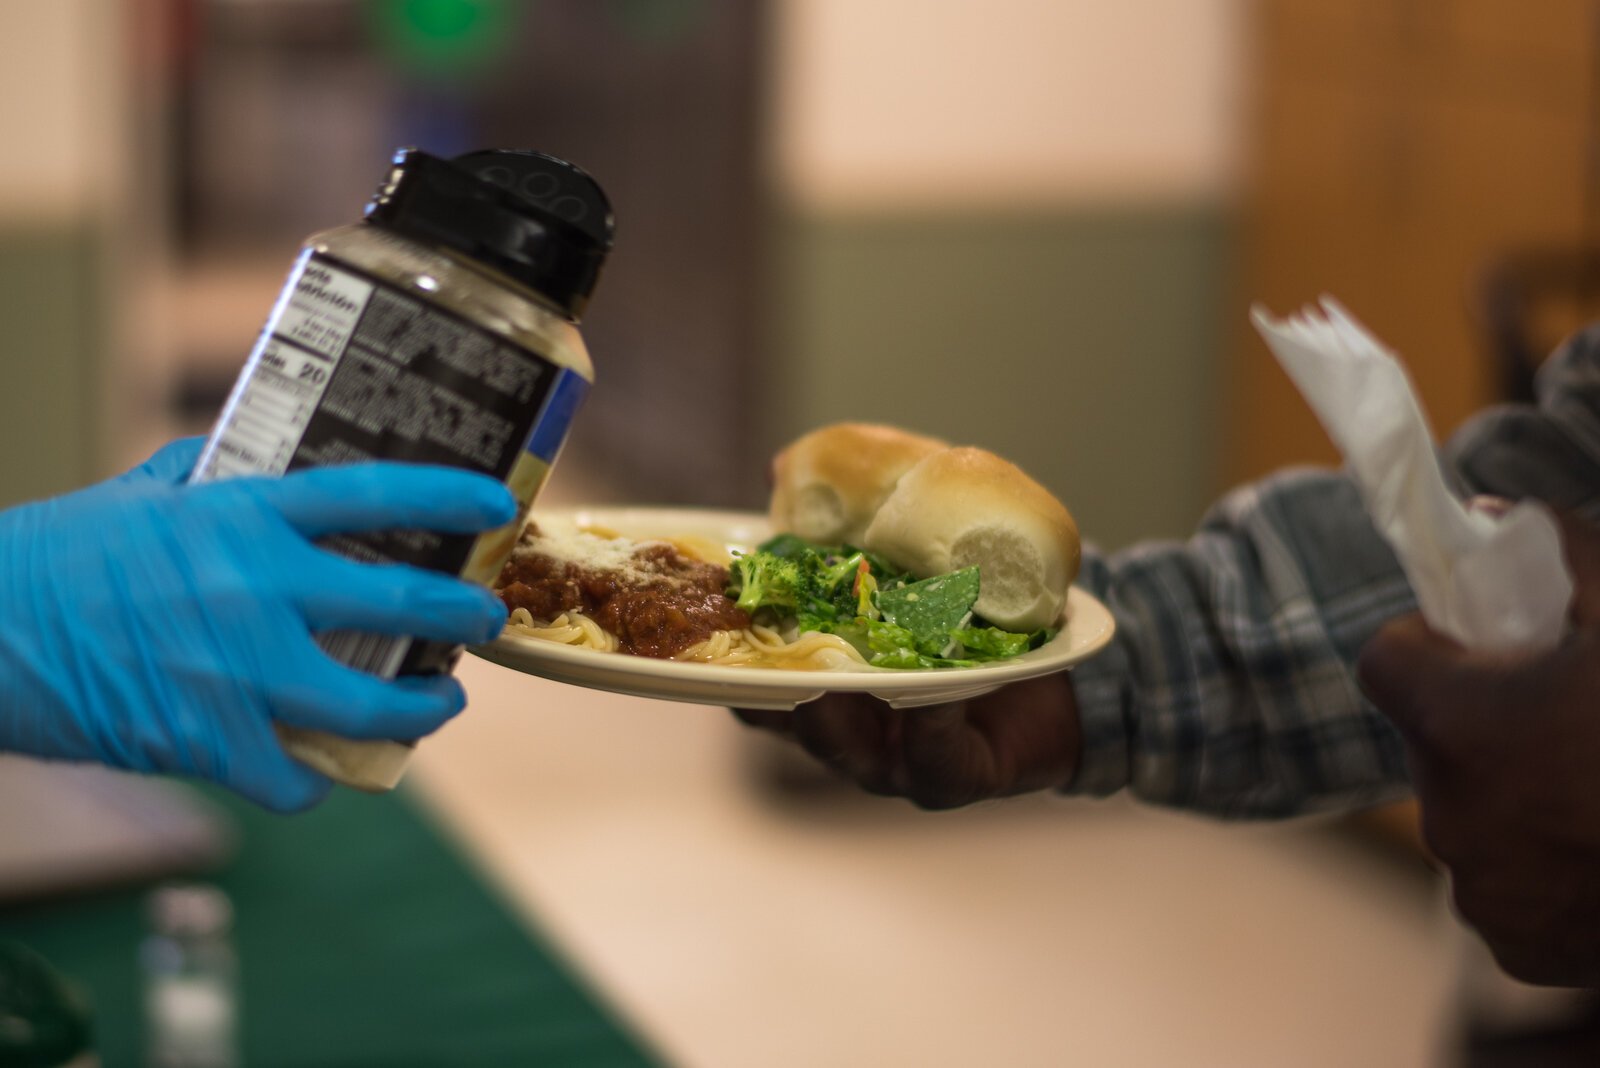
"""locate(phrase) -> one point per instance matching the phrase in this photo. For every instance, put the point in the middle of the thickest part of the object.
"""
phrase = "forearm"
(1229, 687)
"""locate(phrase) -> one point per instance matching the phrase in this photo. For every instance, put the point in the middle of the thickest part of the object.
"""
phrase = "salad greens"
(891, 617)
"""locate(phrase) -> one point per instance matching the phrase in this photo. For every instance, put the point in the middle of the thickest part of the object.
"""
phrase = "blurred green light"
(446, 37)
(442, 19)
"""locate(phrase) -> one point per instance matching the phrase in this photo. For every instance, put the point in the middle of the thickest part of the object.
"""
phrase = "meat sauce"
(663, 603)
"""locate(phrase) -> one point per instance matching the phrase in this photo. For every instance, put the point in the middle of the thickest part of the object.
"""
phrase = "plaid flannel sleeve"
(1230, 685)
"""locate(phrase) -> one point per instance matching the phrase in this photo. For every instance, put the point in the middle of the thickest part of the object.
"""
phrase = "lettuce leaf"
(932, 609)
(893, 619)
(992, 643)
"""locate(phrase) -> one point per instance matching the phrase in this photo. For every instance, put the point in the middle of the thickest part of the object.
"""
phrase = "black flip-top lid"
(538, 219)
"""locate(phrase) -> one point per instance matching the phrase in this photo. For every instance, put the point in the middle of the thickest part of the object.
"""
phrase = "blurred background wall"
(1434, 163)
(61, 106)
(1039, 229)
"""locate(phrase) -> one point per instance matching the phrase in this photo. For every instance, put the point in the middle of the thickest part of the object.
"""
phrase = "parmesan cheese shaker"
(443, 329)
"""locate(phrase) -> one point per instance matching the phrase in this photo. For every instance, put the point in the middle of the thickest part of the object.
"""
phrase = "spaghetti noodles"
(593, 589)
(754, 646)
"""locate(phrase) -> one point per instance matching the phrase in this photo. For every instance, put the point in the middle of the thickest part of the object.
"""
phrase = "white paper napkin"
(1490, 582)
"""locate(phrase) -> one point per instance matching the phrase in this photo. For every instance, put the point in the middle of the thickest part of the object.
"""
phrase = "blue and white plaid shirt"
(1230, 686)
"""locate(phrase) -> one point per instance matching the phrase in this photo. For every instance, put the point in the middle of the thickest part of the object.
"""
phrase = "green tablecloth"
(364, 938)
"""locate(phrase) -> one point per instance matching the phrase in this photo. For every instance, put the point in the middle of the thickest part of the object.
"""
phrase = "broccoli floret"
(832, 592)
(761, 579)
(831, 585)
(836, 580)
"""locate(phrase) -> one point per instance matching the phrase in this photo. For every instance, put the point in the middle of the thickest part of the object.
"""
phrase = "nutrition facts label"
(294, 362)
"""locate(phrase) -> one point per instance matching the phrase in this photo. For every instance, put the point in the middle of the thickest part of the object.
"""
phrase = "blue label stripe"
(551, 428)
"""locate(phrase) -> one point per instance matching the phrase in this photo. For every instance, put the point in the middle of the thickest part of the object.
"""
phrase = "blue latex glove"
(158, 626)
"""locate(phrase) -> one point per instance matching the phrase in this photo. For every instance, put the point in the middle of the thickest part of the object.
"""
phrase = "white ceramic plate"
(1086, 627)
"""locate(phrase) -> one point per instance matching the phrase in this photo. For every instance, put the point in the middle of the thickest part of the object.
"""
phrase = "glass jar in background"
(190, 976)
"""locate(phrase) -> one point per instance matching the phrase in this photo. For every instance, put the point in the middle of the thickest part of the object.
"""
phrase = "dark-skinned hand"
(1017, 739)
(1504, 751)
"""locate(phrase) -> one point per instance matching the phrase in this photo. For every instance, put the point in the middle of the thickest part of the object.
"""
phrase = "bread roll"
(964, 506)
(828, 484)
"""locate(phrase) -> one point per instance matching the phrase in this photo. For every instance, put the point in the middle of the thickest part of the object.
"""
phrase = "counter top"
(734, 924)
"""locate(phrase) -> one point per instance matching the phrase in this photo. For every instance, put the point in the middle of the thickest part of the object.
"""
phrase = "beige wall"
(58, 109)
(62, 97)
(888, 104)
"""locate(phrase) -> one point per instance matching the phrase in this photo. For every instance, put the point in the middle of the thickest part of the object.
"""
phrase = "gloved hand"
(156, 626)
(169, 464)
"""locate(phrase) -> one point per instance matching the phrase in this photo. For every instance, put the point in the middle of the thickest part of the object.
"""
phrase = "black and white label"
(287, 375)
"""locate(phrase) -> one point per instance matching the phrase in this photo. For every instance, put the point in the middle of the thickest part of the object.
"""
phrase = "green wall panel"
(1083, 345)
(50, 319)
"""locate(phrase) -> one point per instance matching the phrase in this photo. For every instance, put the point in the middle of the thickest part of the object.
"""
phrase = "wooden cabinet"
(1398, 150)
